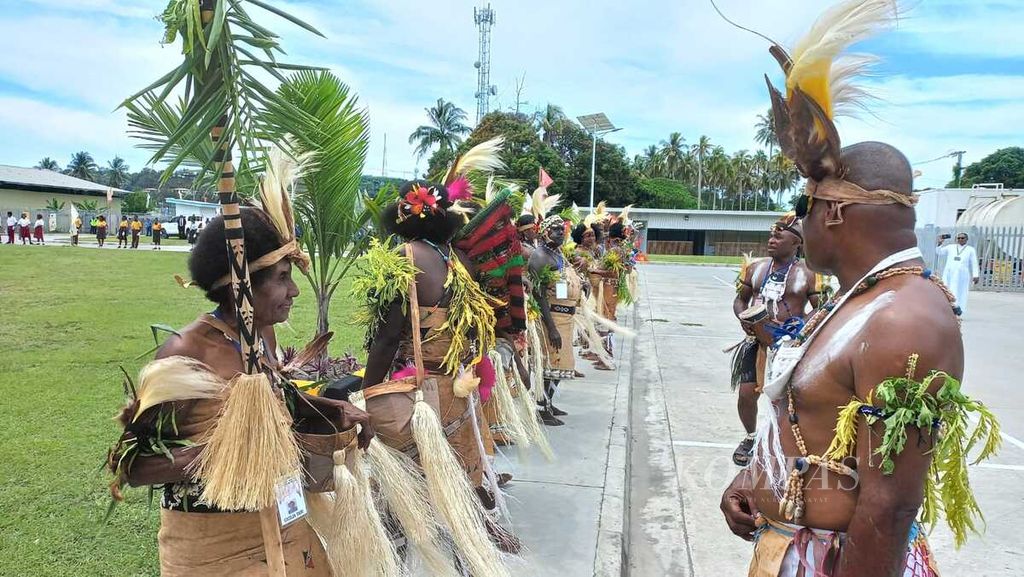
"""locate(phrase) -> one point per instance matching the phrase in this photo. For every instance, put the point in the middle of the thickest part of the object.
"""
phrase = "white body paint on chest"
(833, 348)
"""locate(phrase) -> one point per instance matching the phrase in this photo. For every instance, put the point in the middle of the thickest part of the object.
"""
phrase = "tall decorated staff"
(251, 449)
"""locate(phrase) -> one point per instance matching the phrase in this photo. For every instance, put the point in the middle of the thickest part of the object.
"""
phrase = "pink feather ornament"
(459, 189)
(485, 372)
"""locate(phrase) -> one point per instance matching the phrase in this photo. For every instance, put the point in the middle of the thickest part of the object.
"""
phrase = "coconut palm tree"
(700, 152)
(784, 174)
(650, 163)
(48, 163)
(446, 129)
(741, 175)
(82, 166)
(719, 173)
(550, 123)
(118, 172)
(329, 206)
(765, 134)
(673, 154)
(760, 176)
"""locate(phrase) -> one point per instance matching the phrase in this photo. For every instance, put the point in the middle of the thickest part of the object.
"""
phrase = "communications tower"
(484, 18)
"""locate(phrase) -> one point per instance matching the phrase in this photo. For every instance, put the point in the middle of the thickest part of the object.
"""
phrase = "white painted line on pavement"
(1012, 440)
(726, 283)
(1006, 437)
(703, 444)
(1000, 467)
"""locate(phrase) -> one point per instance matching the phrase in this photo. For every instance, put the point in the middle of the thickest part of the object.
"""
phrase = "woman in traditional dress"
(196, 538)
(456, 327)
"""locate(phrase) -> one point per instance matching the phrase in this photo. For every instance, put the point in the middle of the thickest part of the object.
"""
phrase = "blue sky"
(952, 76)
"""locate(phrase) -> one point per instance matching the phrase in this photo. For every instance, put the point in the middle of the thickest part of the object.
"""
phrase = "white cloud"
(34, 129)
(654, 68)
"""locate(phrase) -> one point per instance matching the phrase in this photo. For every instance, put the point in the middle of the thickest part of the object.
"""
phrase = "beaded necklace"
(792, 506)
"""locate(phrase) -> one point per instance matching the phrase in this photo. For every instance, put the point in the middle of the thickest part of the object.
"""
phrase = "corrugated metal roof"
(672, 219)
(41, 178)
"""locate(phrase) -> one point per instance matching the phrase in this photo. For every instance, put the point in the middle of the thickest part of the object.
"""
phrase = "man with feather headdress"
(846, 492)
(772, 295)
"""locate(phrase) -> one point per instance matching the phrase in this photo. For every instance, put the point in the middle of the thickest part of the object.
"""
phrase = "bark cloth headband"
(289, 250)
(845, 193)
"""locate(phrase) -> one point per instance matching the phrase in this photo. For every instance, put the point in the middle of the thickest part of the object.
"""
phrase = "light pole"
(595, 124)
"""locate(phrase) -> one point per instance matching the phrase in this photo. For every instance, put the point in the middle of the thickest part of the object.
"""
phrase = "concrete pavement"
(569, 513)
(684, 428)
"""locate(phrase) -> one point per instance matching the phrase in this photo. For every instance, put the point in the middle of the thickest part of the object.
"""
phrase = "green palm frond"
(219, 76)
(328, 204)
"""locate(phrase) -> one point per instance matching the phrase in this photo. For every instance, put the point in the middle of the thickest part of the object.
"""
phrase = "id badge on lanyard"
(562, 290)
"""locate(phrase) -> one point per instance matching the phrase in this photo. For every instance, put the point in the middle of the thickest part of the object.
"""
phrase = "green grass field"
(694, 259)
(70, 317)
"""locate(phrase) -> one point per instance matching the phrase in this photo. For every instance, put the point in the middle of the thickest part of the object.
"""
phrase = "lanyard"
(783, 360)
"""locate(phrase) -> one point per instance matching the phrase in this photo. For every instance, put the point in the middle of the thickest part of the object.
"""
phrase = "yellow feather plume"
(277, 184)
(540, 203)
(624, 215)
(482, 157)
(812, 67)
(600, 214)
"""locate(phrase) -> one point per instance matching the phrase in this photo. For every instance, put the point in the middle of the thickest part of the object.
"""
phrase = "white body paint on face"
(814, 365)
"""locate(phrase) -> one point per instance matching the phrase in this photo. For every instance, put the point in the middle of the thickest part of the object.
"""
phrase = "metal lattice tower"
(484, 18)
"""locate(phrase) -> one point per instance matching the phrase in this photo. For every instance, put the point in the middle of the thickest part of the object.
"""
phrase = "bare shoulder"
(194, 341)
(916, 319)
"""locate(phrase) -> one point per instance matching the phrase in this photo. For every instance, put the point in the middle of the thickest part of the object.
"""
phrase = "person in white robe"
(961, 269)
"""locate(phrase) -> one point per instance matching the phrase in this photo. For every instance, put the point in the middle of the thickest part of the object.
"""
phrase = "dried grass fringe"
(509, 417)
(531, 421)
(454, 498)
(536, 361)
(357, 543)
(249, 450)
(404, 490)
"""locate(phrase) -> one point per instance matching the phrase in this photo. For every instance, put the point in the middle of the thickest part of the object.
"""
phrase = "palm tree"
(48, 163)
(760, 176)
(741, 174)
(222, 98)
(673, 153)
(765, 134)
(328, 206)
(650, 162)
(118, 172)
(784, 174)
(719, 173)
(550, 123)
(700, 151)
(446, 129)
(82, 166)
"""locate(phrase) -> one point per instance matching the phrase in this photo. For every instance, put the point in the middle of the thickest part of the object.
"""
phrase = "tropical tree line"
(82, 165)
(671, 174)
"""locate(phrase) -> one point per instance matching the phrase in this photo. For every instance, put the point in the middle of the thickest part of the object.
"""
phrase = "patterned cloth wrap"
(784, 550)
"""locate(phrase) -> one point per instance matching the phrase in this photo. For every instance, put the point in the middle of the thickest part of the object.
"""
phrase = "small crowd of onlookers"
(32, 232)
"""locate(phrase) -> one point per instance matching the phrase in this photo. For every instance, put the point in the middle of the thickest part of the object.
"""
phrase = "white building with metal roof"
(701, 232)
(31, 190)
